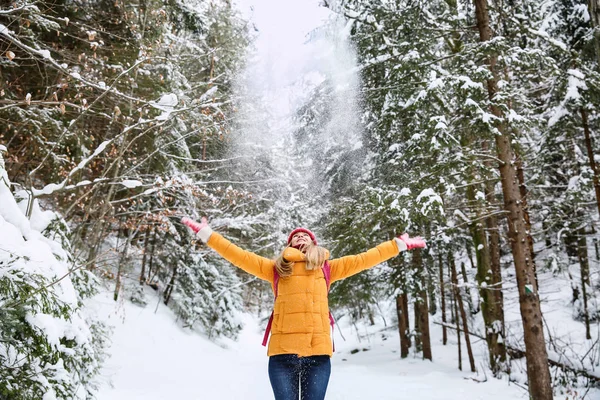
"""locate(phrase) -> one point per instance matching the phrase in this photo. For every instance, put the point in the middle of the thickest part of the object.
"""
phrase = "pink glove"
(195, 225)
(412, 243)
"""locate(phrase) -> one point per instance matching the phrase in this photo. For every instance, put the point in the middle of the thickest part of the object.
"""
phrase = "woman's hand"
(201, 229)
(412, 243)
(195, 225)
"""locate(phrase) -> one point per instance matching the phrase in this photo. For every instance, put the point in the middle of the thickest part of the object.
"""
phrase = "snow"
(167, 100)
(573, 183)
(166, 104)
(209, 93)
(468, 83)
(431, 198)
(153, 358)
(43, 264)
(39, 219)
(558, 112)
(583, 11)
(547, 37)
(36, 254)
(576, 82)
(11, 214)
(53, 187)
(52, 326)
(131, 183)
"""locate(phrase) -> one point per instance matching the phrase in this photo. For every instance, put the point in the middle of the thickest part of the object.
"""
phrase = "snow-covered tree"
(49, 347)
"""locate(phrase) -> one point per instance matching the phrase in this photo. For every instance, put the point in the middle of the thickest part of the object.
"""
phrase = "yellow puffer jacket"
(301, 314)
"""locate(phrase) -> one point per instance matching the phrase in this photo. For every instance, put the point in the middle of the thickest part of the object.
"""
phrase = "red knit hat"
(312, 235)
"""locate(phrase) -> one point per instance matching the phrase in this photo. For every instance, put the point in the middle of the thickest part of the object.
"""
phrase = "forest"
(473, 124)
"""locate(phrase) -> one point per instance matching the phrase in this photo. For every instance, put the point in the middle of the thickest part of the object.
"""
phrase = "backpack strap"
(270, 323)
(327, 274)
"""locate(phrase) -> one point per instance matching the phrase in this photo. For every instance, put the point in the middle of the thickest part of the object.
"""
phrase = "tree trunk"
(144, 257)
(470, 257)
(495, 337)
(429, 281)
(151, 262)
(422, 305)
(571, 248)
(472, 309)
(443, 299)
(594, 10)
(122, 260)
(584, 268)
(119, 266)
(425, 335)
(525, 207)
(170, 285)
(406, 318)
(454, 307)
(538, 373)
(487, 279)
(402, 310)
(417, 330)
(463, 314)
(595, 240)
(590, 153)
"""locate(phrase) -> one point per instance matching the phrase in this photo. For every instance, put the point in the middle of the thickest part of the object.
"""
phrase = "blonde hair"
(315, 258)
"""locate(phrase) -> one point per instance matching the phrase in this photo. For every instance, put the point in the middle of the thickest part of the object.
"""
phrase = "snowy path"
(152, 359)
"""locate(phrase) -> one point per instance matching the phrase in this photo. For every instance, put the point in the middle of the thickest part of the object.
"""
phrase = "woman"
(300, 346)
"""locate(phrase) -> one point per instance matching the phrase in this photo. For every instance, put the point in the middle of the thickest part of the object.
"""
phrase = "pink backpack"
(327, 274)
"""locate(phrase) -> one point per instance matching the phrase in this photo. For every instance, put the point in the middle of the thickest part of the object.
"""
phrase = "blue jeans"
(290, 374)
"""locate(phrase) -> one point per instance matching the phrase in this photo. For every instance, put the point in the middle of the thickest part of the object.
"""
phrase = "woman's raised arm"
(254, 264)
(347, 266)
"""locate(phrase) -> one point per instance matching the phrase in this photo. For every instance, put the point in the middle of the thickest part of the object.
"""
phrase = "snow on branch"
(47, 57)
(54, 187)
(25, 7)
(431, 199)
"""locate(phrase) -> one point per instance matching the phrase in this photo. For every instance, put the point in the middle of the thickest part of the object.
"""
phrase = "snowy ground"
(153, 358)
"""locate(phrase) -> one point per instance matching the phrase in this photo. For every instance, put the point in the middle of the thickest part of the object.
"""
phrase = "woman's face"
(300, 239)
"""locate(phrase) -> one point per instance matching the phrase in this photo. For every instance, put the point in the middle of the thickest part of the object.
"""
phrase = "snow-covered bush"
(49, 347)
(207, 297)
(138, 296)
